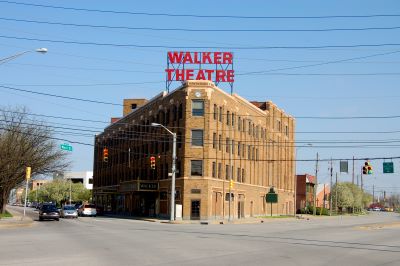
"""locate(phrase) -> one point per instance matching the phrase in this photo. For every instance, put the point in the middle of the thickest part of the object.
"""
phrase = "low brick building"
(220, 136)
(304, 191)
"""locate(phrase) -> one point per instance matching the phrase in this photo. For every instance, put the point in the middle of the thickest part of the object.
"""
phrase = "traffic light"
(105, 155)
(231, 184)
(367, 168)
(364, 170)
(152, 162)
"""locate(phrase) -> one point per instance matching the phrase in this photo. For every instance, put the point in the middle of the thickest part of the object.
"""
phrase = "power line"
(201, 47)
(59, 96)
(235, 159)
(198, 16)
(195, 30)
(319, 64)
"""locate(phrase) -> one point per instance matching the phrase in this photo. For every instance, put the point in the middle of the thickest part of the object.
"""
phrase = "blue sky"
(110, 74)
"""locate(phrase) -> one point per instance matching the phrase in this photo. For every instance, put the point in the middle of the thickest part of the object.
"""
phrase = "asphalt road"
(363, 240)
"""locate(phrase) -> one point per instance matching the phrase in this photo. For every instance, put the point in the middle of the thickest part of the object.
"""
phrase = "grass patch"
(6, 214)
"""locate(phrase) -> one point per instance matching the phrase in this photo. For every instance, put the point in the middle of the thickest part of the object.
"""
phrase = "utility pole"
(336, 189)
(315, 186)
(352, 177)
(70, 191)
(330, 194)
(373, 193)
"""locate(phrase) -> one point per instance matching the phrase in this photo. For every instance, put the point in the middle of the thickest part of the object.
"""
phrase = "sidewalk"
(16, 221)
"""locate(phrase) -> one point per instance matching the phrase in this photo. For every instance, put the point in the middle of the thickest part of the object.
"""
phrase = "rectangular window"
(227, 172)
(220, 143)
(196, 168)
(215, 112)
(197, 137)
(238, 174)
(243, 175)
(249, 127)
(219, 170)
(243, 150)
(227, 145)
(228, 118)
(239, 123)
(214, 169)
(197, 107)
(214, 140)
(286, 130)
(248, 152)
(233, 119)
(239, 148)
(220, 114)
(233, 147)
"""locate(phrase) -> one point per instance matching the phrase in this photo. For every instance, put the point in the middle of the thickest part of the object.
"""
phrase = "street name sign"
(66, 147)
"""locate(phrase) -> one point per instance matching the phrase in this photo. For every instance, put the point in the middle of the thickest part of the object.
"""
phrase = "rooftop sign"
(213, 66)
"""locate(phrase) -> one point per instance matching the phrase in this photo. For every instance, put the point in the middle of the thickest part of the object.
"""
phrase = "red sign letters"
(178, 69)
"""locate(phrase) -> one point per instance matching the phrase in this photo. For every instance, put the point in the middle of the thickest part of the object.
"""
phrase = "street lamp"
(9, 58)
(172, 214)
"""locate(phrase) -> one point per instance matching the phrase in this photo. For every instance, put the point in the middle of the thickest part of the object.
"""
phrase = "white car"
(87, 210)
(377, 209)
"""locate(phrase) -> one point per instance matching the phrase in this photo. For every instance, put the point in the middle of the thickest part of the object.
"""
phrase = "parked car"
(87, 210)
(377, 209)
(49, 212)
(68, 211)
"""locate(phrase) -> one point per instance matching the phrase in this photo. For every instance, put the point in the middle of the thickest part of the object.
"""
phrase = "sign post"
(271, 197)
(27, 177)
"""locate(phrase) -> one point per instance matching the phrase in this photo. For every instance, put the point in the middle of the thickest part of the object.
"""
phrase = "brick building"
(219, 135)
(304, 191)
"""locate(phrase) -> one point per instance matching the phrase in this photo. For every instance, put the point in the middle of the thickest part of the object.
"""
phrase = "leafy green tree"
(344, 196)
(58, 191)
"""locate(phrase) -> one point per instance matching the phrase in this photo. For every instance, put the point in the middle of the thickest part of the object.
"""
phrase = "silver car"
(68, 211)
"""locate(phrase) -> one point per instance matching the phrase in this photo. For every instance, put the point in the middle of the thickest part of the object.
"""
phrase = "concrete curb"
(16, 221)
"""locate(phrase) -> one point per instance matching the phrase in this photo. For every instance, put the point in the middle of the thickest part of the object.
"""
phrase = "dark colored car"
(49, 212)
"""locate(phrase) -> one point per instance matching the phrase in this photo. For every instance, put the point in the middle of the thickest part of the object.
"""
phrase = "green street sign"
(66, 147)
(388, 168)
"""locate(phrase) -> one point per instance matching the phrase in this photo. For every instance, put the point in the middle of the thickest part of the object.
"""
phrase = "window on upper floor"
(214, 140)
(197, 107)
(215, 112)
(197, 137)
(196, 168)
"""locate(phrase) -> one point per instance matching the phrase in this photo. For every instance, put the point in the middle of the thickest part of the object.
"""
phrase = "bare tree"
(25, 142)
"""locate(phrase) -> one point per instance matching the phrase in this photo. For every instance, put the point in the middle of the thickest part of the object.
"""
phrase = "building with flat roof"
(219, 136)
(83, 177)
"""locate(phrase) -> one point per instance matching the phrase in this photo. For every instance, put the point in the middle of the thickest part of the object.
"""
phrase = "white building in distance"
(84, 177)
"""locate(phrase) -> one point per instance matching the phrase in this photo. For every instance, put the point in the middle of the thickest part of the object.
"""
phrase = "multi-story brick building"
(220, 136)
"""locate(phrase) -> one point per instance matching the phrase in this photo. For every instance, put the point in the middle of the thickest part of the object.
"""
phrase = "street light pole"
(70, 188)
(172, 203)
(9, 58)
